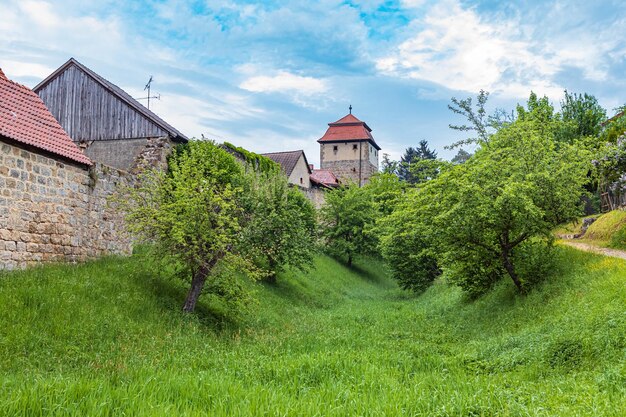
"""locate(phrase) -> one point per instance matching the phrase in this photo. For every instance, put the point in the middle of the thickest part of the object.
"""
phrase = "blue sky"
(270, 75)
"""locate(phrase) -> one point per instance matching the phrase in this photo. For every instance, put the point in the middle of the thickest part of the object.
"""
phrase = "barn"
(105, 121)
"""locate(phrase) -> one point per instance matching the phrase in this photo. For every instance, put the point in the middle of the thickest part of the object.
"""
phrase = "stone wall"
(52, 210)
(125, 153)
(344, 162)
(316, 195)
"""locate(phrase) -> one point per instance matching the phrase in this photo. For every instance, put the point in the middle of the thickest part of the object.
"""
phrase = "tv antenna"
(147, 87)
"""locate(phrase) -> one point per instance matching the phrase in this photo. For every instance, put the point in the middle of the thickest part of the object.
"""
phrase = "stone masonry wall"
(347, 170)
(52, 210)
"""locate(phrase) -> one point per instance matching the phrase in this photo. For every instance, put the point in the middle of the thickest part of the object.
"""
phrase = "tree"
(427, 169)
(584, 112)
(412, 155)
(496, 211)
(461, 157)
(480, 123)
(407, 241)
(192, 216)
(388, 166)
(279, 224)
(346, 218)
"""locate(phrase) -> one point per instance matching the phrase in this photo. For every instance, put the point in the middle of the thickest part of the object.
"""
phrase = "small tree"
(407, 240)
(191, 214)
(279, 226)
(346, 217)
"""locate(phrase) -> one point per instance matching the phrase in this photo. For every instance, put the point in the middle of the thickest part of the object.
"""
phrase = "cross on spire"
(350, 108)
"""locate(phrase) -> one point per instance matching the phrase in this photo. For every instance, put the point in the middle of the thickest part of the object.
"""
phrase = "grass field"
(107, 339)
(609, 230)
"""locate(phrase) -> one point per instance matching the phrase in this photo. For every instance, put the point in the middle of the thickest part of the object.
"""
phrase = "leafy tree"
(461, 157)
(412, 155)
(585, 113)
(615, 127)
(192, 215)
(479, 122)
(346, 218)
(497, 210)
(384, 190)
(427, 169)
(279, 223)
(388, 166)
(407, 241)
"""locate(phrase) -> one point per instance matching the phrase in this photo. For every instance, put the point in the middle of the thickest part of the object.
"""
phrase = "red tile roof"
(324, 177)
(25, 119)
(348, 128)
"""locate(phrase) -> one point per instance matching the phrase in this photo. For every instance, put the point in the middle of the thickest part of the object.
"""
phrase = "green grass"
(107, 339)
(603, 229)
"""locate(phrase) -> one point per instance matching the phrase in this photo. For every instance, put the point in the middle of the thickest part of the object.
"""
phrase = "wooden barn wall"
(87, 111)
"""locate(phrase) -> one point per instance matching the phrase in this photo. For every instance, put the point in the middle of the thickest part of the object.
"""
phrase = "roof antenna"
(350, 108)
(147, 87)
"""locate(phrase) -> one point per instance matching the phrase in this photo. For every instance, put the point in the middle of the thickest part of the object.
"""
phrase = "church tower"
(349, 151)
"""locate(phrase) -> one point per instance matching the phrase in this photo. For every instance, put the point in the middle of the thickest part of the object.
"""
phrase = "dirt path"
(614, 253)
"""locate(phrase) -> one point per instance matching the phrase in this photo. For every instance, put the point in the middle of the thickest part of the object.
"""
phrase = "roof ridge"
(117, 91)
(269, 153)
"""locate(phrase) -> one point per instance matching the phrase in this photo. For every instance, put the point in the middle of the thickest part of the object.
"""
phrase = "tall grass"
(107, 339)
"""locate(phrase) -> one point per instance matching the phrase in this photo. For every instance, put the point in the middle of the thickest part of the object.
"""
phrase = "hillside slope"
(107, 338)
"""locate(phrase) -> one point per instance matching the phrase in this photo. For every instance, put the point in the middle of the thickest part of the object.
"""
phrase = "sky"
(269, 76)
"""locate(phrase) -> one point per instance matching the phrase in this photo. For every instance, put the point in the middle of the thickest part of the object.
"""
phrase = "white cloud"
(456, 48)
(285, 82)
(17, 69)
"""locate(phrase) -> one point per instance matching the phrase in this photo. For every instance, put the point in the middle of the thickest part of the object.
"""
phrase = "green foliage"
(610, 167)
(258, 162)
(603, 229)
(585, 112)
(104, 339)
(406, 242)
(461, 157)
(346, 217)
(427, 169)
(192, 216)
(384, 190)
(497, 210)
(388, 166)
(412, 156)
(279, 223)
(614, 129)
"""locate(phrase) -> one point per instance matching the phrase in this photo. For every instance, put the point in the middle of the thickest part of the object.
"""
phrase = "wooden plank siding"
(88, 111)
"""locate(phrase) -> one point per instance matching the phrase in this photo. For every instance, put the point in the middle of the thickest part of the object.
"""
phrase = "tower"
(349, 150)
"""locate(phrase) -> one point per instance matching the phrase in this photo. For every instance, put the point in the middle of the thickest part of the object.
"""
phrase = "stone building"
(54, 201)
(108, 124)
(295, 166)
(349, 151)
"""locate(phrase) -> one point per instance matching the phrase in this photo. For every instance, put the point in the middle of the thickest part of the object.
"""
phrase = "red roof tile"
(25, 119)
(324, 177)
(348, 128)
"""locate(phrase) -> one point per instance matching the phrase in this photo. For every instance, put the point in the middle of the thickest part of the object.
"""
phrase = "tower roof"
(348, 128)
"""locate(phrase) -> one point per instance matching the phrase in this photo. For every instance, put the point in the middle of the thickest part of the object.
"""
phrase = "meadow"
(107, 338)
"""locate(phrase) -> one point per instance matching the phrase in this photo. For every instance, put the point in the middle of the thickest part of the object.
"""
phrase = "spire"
(350, 108)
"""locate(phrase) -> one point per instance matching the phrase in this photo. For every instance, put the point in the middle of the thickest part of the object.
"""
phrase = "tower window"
(354, 147)
(301, 180)
(335, 148)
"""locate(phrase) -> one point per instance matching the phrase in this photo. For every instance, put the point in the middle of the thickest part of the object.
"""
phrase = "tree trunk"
(508, 265)
(350, 260)
(197, 282)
